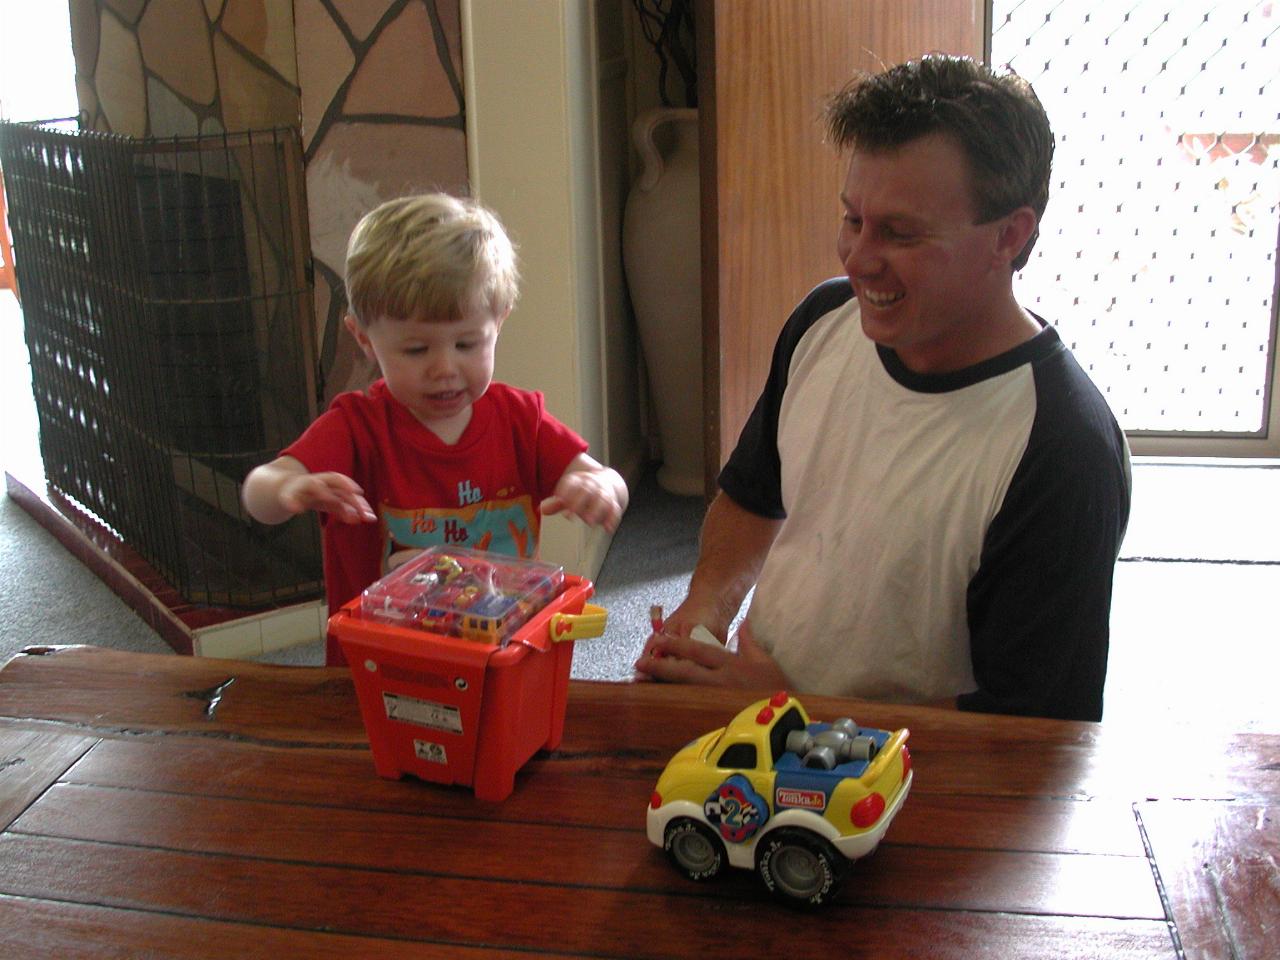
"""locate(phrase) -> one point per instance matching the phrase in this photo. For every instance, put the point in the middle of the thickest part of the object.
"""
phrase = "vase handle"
(642, 138)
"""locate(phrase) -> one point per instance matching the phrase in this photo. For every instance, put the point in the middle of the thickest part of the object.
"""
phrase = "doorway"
(37, 82)
(37, 71)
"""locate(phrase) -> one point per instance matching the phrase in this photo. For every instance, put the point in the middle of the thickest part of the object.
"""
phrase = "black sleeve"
(752, 477)
(1039, 606)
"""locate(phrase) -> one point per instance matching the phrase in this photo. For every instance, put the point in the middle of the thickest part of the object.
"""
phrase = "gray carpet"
(650, 560)
(48, 597)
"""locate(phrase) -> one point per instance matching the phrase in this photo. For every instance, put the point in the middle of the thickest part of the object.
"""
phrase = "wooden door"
(770, 185)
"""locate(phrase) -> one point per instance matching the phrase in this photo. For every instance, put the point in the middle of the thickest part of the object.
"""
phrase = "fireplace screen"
(168, 315)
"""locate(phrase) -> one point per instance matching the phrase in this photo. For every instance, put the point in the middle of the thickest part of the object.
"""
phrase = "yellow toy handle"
(578, 626)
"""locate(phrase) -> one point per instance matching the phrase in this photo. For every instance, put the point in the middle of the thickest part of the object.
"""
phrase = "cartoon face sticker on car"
(736, 809)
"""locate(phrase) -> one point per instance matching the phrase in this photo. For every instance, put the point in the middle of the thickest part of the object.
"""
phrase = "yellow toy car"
(773, 791)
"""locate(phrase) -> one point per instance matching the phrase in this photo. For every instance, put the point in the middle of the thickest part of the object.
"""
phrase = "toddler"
(435, 452)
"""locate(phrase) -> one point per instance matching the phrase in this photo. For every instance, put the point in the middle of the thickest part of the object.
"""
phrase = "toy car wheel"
(800, 866)
(694, 848)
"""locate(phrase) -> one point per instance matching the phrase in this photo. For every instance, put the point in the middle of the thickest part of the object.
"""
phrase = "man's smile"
(880, 298)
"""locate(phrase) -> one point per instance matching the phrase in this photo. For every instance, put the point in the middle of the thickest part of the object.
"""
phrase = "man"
(930, 494)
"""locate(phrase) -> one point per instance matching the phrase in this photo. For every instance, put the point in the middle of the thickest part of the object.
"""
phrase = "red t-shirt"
(481, 492)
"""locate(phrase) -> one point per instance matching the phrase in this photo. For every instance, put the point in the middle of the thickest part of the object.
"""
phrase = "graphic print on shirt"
(508, 526)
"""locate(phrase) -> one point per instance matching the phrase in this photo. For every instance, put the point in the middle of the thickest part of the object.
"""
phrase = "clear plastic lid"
(463, 593)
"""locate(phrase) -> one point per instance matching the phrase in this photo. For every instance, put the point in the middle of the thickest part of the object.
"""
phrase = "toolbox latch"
(578, 626)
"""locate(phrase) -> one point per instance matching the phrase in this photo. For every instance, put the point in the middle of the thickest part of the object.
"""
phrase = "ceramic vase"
(662, 259)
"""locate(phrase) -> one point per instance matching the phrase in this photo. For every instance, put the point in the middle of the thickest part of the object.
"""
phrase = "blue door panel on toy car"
(798, 787)
(792, 765)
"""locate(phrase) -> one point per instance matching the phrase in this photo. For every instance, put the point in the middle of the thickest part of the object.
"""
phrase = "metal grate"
(1158, 256)
(167, 314)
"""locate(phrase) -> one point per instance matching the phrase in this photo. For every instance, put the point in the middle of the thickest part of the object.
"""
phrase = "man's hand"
(685, 617)
(331, 493)
(590, 491)
(680, 659)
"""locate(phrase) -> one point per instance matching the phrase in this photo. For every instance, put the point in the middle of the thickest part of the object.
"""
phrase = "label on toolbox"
(433, 752)
(425, 713)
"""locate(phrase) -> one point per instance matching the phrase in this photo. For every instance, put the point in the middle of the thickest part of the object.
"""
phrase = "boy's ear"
(501, 318)
(1016, 229)
(359, 332)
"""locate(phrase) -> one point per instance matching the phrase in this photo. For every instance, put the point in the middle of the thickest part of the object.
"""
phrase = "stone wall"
(162, 68)
(382, 116)
(375, 86)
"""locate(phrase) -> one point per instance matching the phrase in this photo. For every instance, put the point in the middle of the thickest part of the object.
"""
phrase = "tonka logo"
(806, 799)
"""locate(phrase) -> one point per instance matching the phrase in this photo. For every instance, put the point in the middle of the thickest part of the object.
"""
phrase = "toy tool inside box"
(461, 664)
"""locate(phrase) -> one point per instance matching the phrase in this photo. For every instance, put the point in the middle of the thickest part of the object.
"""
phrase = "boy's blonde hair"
(430, 257)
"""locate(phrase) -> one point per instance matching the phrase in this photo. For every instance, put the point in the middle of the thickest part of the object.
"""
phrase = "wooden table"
(164, 806)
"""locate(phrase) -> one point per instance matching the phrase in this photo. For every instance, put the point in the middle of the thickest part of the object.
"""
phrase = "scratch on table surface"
(211, 696)
(127, 731)
(1224, 915)
(1161, 891)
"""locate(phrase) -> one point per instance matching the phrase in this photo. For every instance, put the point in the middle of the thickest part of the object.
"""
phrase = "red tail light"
(867, 810)
(655, 801)
(906, 762)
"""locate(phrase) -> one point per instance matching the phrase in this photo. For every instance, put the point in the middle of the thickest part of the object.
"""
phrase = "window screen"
(1157, 255)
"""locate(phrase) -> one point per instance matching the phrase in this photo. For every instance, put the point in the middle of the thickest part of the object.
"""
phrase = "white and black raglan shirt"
(944, 535)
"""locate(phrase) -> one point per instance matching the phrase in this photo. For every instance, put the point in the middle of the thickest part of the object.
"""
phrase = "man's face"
(926, 275)
(437, 369)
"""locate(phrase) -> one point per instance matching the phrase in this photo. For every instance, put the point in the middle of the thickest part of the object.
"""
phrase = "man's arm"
(733, 547)
(734, 544)
(1039, 605)
(736, 539)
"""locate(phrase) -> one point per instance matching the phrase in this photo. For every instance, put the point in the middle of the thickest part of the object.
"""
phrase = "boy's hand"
(590, 491)
(331, 493)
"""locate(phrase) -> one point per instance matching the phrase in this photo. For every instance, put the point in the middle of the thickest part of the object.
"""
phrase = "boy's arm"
(591, 491)
(283, 488)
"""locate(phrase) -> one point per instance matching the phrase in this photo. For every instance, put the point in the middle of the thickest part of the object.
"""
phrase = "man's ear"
(1016, 229)
(361, 335)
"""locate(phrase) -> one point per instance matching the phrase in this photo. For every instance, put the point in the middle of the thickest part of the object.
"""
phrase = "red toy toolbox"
(453, 710)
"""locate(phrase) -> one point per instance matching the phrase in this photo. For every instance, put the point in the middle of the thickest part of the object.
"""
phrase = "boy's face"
(437, 369)
(925, 273)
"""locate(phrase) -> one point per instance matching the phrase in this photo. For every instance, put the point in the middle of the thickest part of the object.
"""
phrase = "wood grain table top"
(166, 806)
